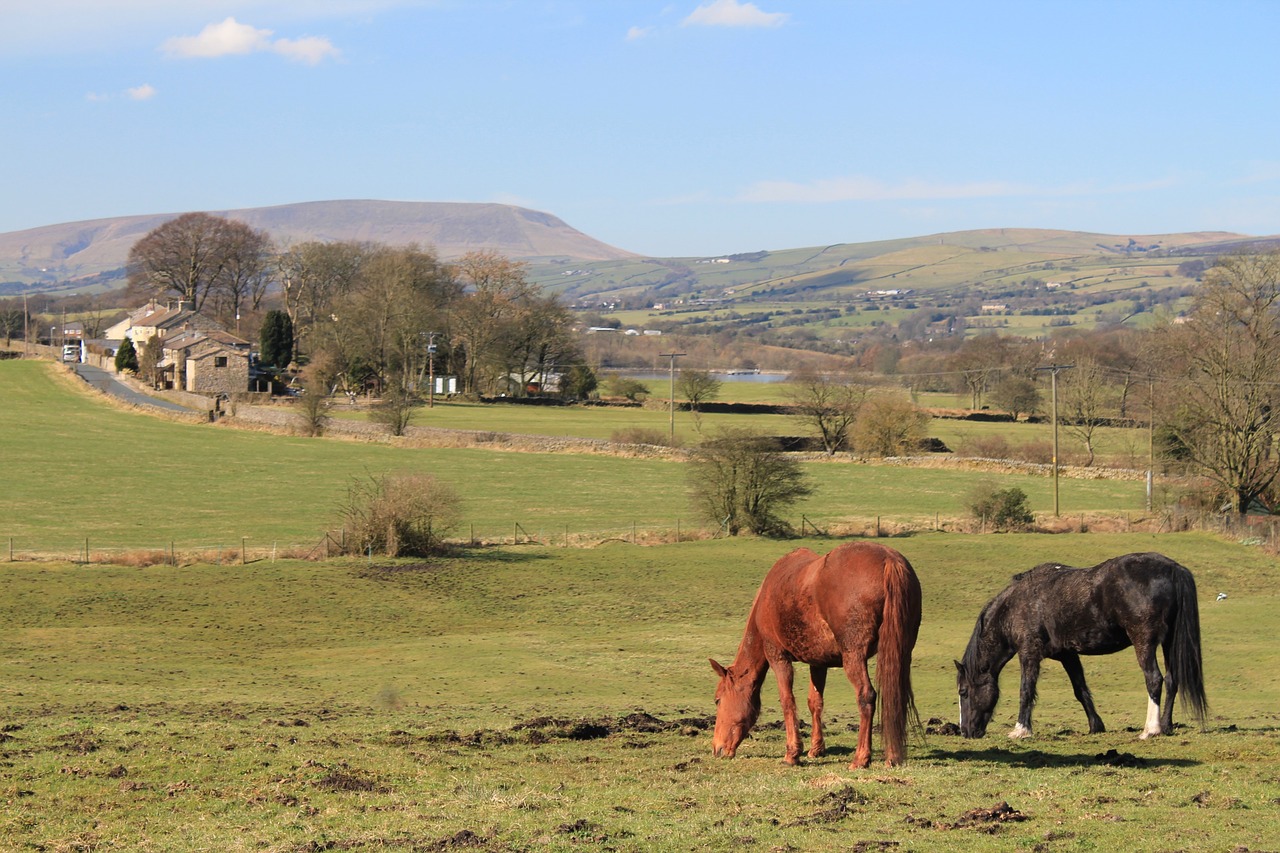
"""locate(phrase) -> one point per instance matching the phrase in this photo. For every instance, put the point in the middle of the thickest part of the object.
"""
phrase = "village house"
(203, 361)
(197, 354)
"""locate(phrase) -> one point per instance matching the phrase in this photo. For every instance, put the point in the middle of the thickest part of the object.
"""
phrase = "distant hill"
(59, 253)
(979, 262)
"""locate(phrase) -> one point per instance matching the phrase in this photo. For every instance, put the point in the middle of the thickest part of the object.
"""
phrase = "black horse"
(1147, 601)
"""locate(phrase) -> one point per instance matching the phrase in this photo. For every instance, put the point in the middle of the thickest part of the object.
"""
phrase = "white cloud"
(232, 38)
(636, 33)
(145, 92)
(224, 39)
(731, 13)
(309, 49)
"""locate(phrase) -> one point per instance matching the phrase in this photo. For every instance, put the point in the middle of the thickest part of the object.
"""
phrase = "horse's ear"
(720, 671)
(959, 666)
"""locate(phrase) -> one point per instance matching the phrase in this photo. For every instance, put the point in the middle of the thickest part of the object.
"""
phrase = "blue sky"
(689, 127)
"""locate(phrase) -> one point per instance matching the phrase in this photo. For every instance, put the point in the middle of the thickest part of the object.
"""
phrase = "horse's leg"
(817, 683)
(855, 667)
(1026, 694)
(1171, 690)
(1075, 671)
(1146, 652)
(785, 674)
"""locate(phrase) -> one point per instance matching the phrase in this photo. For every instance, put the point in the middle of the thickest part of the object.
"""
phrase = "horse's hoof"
(817, 752)
(860, 764)
(1020, 731)
(791, 760)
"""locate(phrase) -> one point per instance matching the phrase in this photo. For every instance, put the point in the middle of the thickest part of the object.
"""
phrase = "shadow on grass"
(1034, 758)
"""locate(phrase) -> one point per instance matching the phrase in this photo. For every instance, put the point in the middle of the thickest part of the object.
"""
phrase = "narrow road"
(107, 383)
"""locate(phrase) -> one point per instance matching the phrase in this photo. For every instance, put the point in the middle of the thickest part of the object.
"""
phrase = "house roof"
(188, 338)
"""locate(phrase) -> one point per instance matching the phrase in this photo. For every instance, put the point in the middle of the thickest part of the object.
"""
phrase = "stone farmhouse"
(198, 355)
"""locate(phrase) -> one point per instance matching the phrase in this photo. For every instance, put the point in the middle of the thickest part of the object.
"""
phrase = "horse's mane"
(970, 657)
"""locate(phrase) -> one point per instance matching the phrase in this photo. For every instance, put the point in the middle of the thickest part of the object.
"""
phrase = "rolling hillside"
(60, 253)
(1017, 280)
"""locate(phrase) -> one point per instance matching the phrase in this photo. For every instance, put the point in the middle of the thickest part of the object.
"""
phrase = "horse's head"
(737, 708)
(979, 691)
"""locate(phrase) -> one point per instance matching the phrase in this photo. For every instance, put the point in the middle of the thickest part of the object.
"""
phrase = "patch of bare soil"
(938, 726)
(1113, 758)
(343, 779)
(983, 820)
(583, 831)
(835, 806)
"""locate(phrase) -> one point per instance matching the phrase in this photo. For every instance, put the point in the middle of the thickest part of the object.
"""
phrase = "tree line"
(365, 315)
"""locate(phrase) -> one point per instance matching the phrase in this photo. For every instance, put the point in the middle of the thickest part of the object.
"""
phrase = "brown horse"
(837, 610)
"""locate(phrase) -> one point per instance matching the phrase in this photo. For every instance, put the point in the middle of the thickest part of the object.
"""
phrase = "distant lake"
(723, 376)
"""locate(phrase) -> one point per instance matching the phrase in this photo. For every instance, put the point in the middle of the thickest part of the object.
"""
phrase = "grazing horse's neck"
(989, 648)
(750, 659)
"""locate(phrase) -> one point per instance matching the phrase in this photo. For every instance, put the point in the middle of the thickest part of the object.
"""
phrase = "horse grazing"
(1052, 611)
(837, 610)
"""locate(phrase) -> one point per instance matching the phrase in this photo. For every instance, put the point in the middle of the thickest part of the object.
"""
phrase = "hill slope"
(77, 249)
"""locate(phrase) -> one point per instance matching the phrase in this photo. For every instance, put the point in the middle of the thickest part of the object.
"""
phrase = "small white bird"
(1222, 596)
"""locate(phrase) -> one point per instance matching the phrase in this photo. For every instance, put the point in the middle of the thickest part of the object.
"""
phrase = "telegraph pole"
(672, 400)
(1053, 372)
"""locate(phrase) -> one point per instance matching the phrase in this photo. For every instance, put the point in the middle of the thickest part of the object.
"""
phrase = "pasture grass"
(83, 471)
(544, 698)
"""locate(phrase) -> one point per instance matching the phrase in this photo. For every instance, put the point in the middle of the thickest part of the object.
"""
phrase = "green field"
(82, 470)
(557, 699)
(538, 697)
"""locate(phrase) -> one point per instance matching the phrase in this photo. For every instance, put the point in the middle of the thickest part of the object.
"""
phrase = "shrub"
(395, 410)
(313, 410)
(984, 446)
(643, 435)
(403, 515)
(1036, 452)
(1004, 509)
(627, 388)
(740, 482)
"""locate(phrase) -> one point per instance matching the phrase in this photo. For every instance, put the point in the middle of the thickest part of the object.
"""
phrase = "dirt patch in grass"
(983, 820)
(540, 730)
(835, 806)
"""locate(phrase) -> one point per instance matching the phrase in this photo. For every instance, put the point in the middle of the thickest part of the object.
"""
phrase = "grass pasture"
(83, 470)
(538, 698)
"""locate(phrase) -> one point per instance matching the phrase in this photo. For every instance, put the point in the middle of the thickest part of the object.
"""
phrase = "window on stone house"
(219, 361)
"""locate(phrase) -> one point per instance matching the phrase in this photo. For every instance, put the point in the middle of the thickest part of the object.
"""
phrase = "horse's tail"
(1183, 652)
(898, 630)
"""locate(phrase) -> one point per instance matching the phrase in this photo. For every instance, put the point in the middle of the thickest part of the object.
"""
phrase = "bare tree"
(246, 272)
(312, 275)
(739, 481)
(1084, 401)
(188, 257)
(1223, 395)
(1017, 395)
(828, 405)
(494, 288)
(697, 387)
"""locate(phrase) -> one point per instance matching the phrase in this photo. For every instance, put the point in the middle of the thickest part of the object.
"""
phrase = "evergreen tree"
(126, 357)
(276, 339)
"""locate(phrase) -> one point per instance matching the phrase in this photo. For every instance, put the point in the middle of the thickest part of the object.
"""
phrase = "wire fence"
(1260, 530)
